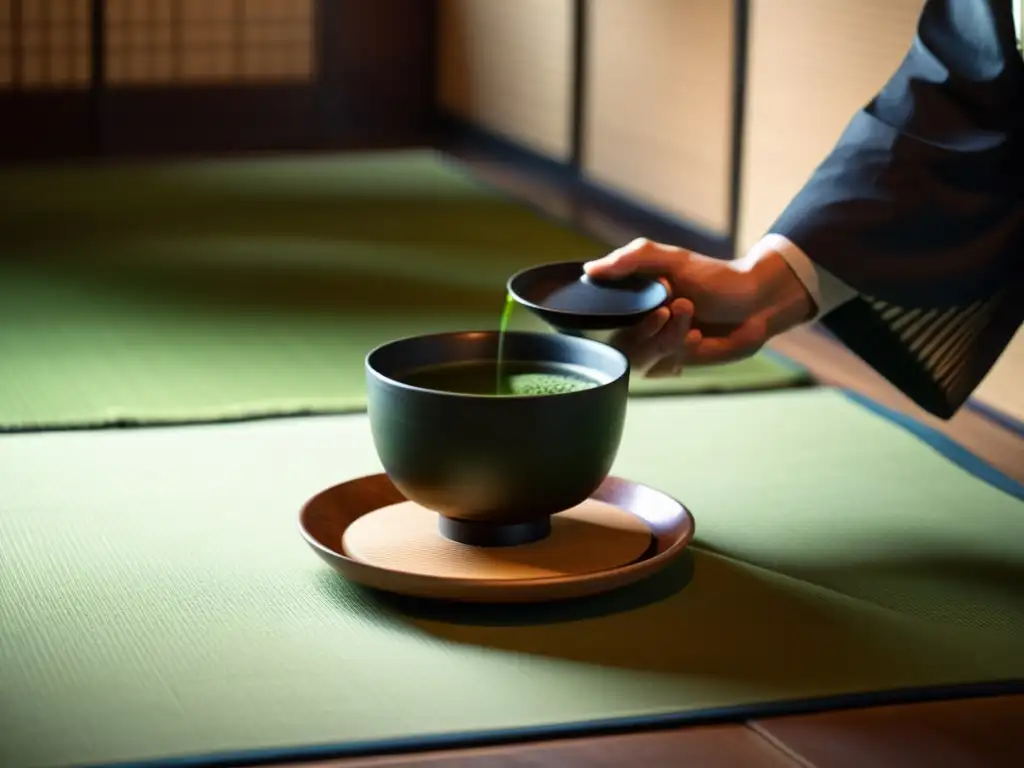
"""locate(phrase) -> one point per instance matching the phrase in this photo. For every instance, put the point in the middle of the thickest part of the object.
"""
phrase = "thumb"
(640, 256)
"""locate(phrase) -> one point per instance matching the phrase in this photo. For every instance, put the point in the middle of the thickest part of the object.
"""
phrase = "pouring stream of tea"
(506, 316)
(516, 378)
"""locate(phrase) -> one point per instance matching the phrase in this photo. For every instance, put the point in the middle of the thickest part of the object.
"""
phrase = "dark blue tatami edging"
(1004, 420)
(945, 445)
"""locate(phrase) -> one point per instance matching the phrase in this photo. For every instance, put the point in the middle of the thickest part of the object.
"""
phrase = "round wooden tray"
(324, 519)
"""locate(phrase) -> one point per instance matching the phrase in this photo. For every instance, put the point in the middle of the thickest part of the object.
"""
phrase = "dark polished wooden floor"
(980, 733)
(967, 733)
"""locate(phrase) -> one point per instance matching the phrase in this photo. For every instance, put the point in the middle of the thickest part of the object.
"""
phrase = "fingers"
(671, 340)
(673, 364)
(741, 342)
(632, 341)
(640, 256)
(738, 343)
(662, 334)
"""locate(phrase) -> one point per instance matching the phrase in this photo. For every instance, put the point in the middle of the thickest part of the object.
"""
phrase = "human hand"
(720, 311)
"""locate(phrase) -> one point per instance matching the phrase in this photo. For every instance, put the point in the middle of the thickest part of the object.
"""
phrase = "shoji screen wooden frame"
(371, 81)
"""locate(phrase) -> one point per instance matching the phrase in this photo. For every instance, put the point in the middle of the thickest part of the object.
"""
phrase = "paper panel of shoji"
(507, 66)
(811, 65)
(658, 104)
(6, 44)
(54, 51)
(197, 42)
(140, 41)
(208, 47)
(277, 40)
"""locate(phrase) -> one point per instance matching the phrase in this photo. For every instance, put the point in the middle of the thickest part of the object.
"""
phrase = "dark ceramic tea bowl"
(495, 467)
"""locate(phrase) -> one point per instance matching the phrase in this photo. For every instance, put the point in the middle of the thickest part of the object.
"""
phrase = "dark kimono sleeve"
(920, 208)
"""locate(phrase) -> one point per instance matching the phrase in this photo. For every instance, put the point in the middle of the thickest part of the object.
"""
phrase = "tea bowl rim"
(599, 346)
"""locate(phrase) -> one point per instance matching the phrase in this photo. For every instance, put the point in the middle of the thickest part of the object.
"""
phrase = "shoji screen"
(811, 65)
(658, 104)
(197, 42)
(44, 44)
(507, 66)
(6, 44)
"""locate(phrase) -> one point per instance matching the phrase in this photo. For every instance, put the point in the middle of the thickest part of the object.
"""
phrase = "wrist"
(781, 297)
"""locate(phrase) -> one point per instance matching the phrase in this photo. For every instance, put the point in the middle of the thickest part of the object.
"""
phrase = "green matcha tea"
(501, 377)
(482, 377)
